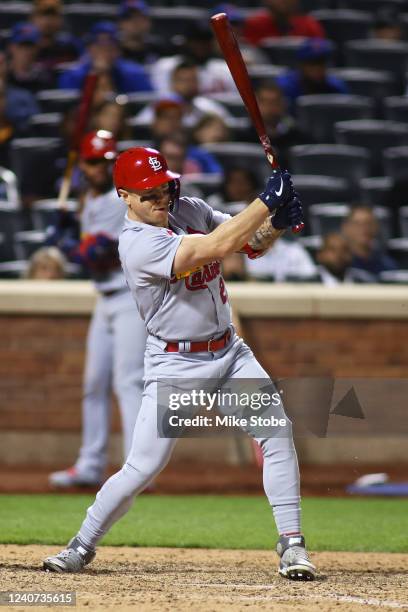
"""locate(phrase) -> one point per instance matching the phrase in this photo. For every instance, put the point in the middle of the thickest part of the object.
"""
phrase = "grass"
(210, 522)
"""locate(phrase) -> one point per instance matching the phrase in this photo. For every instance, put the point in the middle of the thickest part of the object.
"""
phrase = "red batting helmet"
(141, 168)
(99, 144)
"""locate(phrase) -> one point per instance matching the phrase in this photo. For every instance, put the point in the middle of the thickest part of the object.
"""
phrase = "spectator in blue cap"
(23, 68)
(116, 75)
(311, 76)
(137, 43)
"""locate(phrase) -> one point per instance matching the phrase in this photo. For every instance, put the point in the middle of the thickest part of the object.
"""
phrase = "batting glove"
(289, 214)
(278, 190)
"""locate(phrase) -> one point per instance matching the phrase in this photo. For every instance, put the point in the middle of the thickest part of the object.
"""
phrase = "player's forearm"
(265, 236)
(229, 237)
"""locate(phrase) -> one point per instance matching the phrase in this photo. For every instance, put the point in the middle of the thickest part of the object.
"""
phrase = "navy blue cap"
(233, 13)
(128, 6)
(25, 32)
(314, 49)
(103, 28)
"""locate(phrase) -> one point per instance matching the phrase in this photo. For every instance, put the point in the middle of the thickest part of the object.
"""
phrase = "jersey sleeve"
(212, 218)
(152, 257)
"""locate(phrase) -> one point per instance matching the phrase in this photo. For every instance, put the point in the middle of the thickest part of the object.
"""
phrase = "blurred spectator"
(6, 130)
(311, 77)
(240, 185)
(209, 129)
(20, 103)
(185, 89)
(23, 68)
(361, 230)
(285, 261)
(233, 267)
(136, 40)
(115, 74)
(48, 263)
(199, 49)
(167, 119)
(186, 159)
(334, 259)
(280, 126)
(56, 46)
(280, 18)
(387, 24)
(112, 116)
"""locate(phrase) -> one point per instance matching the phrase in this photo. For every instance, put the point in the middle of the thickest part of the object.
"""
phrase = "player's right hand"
(279, 190)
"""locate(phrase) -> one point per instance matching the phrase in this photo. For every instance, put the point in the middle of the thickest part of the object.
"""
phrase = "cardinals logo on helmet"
(155, 163)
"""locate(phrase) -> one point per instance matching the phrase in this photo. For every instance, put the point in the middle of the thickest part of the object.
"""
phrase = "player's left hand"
(289, 214)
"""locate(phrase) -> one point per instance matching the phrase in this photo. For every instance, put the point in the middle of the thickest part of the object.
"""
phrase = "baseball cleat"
(70, 560)
(73, 478)
(294, 559)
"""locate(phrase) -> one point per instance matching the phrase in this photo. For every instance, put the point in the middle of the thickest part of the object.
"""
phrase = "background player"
(117, 337)
(170, 251)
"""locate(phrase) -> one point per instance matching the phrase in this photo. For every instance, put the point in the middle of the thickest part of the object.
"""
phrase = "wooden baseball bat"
(83, 114)
(235, 62)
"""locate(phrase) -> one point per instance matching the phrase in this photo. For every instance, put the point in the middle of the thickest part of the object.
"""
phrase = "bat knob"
(298, 228)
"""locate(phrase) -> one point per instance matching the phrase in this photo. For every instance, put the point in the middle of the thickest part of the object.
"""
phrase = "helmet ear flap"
(174, 188)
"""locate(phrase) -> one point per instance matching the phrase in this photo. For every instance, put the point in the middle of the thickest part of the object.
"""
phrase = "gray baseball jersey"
(192, 306)
(105, 213)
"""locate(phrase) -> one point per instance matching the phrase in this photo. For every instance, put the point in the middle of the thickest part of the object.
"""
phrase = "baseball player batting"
(188, 320)
(117, 335)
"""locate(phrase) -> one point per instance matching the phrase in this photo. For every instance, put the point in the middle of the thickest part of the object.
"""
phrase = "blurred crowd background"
(331, 80)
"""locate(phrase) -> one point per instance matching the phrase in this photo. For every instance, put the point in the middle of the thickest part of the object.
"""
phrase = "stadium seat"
(344, 24)
(232, 102)
(12, 221)
(327, 218)
(241, 154)
(27, 242)
(205, 184)
(396, 108)
(45, 125)
(398, 248)
(317, 114)
(33, 162)
(383, 214)
(168, 22)
(375, 190)
(13, 269)
(135, 102)
(319, 189)
(140, 129)
(43, 212)
(128, 144)
(366, 82)
(394, 277)
(57, 100)
(12, 12)
(282, 51)
(264, 72)
(81, 16)
(403, 221)
(376, 135)
(350, 163)
(372, 5)
(396, 162)
(378, 55)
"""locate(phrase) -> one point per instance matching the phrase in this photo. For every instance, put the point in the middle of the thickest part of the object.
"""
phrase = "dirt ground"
(153, 579)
